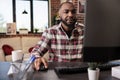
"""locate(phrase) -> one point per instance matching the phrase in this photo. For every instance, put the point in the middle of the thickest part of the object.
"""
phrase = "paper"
(13, 68)
(17, 67)
(17, 55)
(116, 72)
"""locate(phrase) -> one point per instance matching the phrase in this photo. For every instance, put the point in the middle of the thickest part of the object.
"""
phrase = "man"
(63, 41)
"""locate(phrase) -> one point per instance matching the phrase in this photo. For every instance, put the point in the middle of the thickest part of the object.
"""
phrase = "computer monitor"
(102, 31)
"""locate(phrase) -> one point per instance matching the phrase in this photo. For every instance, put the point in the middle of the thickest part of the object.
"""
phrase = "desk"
(51, 75)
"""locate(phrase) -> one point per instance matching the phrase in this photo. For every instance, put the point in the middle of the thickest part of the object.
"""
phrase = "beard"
(69, 24)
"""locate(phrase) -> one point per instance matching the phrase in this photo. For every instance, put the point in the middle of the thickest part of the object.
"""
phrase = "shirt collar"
(76, 31)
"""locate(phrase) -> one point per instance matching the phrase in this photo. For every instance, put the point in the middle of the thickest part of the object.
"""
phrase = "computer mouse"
(42, 67)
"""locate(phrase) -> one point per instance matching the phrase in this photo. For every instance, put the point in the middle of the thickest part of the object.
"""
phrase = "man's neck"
(67, 29)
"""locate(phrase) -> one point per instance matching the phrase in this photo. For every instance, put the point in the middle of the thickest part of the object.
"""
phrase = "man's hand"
(38, 62)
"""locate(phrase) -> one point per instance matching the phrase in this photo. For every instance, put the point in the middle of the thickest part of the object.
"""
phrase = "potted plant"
(93, 71)
(36, 30)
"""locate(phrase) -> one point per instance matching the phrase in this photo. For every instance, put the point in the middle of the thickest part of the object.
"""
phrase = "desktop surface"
(51, 74)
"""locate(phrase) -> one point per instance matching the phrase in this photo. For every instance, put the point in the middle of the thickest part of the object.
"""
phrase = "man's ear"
(59, 14)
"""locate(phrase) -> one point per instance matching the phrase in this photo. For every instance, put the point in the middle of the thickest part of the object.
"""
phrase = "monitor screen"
(102, 31)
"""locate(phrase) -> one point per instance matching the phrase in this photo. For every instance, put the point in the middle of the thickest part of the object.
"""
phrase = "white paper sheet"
(17, 67)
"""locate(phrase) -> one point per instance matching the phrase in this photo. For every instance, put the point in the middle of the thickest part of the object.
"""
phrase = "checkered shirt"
(61, 48)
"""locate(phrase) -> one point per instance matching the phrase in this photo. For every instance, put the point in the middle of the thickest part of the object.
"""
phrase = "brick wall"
(55, 5)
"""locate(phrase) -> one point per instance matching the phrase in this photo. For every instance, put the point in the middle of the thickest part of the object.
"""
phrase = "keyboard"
(82, 69)
(70, 70)
(108, 66)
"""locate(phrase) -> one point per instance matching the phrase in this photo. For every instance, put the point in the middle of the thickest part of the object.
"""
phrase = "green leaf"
(93, 65)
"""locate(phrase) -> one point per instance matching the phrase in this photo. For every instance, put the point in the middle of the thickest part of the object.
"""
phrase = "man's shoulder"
(53, 29)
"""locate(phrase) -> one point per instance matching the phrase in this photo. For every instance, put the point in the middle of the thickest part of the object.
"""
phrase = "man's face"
(67, 15)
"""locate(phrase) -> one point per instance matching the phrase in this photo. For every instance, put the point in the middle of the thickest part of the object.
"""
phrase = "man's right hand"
(38, 62)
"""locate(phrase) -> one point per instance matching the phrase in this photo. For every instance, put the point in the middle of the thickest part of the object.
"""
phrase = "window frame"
(31, 14)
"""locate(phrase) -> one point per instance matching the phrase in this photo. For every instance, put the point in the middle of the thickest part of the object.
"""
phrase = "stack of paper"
(116, 72)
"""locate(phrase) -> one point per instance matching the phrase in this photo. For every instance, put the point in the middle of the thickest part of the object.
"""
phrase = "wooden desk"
(51, 75)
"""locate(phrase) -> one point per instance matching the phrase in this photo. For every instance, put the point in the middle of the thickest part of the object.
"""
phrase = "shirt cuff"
(36, 54)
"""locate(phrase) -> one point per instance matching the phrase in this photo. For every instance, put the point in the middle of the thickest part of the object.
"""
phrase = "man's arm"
(40, 49)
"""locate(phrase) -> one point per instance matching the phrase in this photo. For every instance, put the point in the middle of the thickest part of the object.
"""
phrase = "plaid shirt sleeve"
(43, 45)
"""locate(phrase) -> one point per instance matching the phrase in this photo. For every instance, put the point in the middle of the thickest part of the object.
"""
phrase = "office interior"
(25, 25)
(22, 22)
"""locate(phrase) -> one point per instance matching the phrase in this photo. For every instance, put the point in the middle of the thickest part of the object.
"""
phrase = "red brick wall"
(54, 8)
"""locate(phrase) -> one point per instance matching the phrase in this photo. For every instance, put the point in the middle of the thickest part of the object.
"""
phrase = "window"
(40, 15)
(36, 17)
(22, 19)
(6, 14)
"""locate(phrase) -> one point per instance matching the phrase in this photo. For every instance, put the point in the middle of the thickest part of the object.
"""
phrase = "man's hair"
(65, 3)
